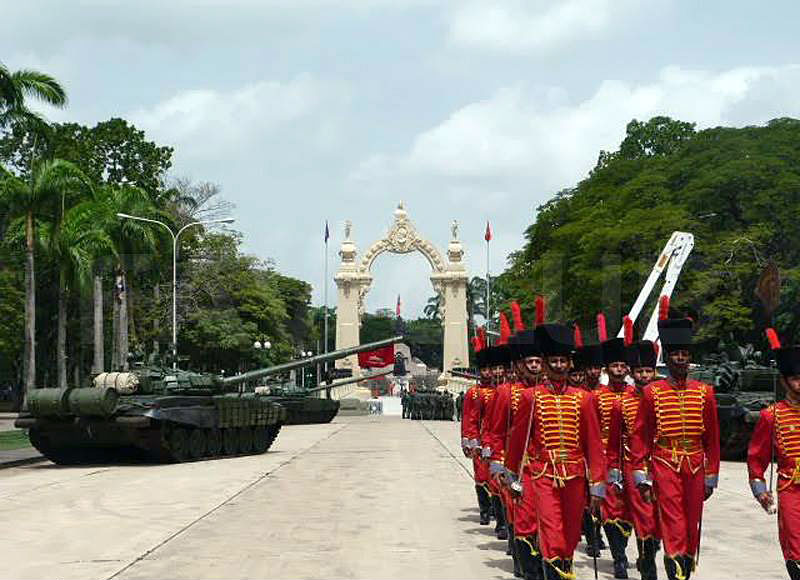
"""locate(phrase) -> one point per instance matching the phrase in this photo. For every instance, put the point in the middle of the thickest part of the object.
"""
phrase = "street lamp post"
(175, 237)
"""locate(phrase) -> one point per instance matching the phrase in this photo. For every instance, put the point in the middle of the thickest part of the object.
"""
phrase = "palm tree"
(52, 187)
(431, 309)
(17, 86)
(121, 239)
(74, 246)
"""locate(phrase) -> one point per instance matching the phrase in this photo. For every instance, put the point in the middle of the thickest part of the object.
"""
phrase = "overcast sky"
(307, 110)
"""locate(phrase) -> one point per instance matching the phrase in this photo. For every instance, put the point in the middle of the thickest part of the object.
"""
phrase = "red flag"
(397, 310)
(379, 358)
(488, 235)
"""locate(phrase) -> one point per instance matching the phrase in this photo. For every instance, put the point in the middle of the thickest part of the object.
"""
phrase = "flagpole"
(488, 238)
(325, 289)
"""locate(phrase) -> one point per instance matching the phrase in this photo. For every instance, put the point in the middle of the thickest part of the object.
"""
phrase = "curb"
(24, 461)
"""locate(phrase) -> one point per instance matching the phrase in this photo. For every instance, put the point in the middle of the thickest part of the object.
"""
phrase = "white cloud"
(532, 25)
(526, 133)
(205, 121)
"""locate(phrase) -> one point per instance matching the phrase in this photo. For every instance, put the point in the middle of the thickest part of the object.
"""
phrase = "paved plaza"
(362, 497)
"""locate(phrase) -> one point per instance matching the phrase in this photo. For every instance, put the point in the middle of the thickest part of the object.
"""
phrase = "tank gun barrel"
(348, 381)
(311, 361)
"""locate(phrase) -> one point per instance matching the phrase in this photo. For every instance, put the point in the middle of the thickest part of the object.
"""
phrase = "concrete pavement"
(363, 497)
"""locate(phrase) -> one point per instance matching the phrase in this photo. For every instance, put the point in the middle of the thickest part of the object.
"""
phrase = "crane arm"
(672, 259)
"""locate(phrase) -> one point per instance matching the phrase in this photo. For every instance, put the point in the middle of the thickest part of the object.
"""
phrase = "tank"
(743, 388)
(302, 406)
(161, 414)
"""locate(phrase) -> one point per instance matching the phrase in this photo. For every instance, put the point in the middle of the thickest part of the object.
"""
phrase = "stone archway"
(449, 279)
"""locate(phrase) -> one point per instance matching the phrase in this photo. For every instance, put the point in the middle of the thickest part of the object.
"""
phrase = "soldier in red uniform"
(778, 434)
(587, 366)
(495, 436)
(616, 516)
(642, 362)
(470, 426)
(528, 364)
(676, 448)
(555, 434)
(500, 355)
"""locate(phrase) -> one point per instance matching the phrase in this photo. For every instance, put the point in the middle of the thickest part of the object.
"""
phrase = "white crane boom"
(672, 259)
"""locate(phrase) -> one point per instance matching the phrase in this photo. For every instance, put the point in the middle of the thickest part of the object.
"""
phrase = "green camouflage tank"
(743, 387)
(161, 414)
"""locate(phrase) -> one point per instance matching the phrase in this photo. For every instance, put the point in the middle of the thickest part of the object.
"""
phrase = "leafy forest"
(82, 290)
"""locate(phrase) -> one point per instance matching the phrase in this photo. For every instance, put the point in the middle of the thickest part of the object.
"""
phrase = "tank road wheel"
(178, 444)
(213, 442)
(245, 440)
(197, 443)
(230, 441)
(260, 440)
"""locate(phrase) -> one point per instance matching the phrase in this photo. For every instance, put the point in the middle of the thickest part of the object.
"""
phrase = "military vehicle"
(743, 387)
(161, 414)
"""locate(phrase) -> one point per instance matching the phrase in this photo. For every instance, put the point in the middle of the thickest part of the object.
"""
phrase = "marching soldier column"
(547, 440)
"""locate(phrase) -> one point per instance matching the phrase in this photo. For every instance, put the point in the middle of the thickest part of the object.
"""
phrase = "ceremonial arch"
(449, 279)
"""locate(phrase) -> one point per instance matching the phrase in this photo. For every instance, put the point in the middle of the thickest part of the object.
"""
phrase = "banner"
(375, 359)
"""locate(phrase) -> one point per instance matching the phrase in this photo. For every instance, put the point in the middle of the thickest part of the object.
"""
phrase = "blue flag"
(327, 233)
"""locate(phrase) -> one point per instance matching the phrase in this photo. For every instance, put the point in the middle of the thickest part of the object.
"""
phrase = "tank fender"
(196, 416)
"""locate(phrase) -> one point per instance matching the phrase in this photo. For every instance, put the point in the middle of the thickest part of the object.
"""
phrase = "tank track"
(163, 443)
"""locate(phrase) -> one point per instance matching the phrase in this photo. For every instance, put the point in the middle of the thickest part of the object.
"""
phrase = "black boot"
(793, 567)
(688, 565)
(511, 550)
(484, 504)
(557, 569)
(675, 567)
(646, 564)
(500, 529)
(591, 535)
(618, 542)
(530, 562)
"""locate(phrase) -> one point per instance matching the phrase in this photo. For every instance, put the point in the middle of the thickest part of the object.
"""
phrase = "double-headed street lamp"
(175, 237)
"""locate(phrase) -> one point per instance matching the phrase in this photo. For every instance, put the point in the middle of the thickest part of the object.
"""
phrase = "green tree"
(737, 190)
(18, 86)
(53, 186)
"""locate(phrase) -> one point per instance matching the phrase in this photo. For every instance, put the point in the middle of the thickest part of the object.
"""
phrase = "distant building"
(385, 313)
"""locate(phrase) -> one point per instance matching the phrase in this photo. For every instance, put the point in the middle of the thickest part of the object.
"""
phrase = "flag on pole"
(327, 232)
(488, 235)
(397, 311)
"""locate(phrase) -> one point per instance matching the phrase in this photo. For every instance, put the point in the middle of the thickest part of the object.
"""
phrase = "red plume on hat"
(663, 308)
(602, 332)
(516, 314)
(479, 340)
(772, 337)
(578, 337)
(505, 330)
(476, 343)
(627, 323)
(540, 310)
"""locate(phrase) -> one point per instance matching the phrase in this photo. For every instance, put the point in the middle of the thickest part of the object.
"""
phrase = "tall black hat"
(789, 360)
(555, 339)
(674, 333)
(479, 346)
(524, 344)
(499, 355)
(642, 354)
(614, 351)
(592, 355)
(787, 357)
